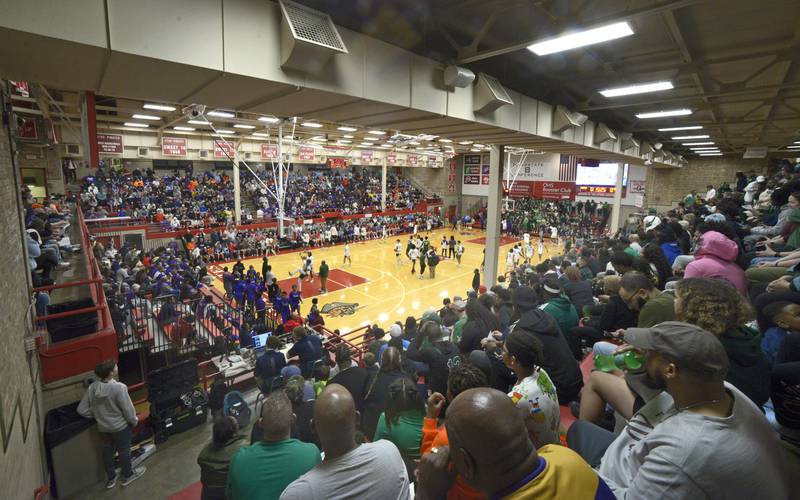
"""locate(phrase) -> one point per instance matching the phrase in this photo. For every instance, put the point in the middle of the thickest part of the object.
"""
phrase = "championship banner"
(221, 148)
(519, 189)
(554, 190)
(391, 158)
(173, 146)
(366, 156)
(411, 159)
(451, 176)
(109, 144)
(269, 151)
(306, 153)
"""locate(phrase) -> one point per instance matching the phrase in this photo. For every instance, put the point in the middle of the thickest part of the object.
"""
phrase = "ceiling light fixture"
(376, 132)
(241, 125)
(159, 107)
(445, 140)
(581, 39)
(706, 143)
(136, 125)
(675, 129)
(478, 146)
(225, 131)
(346, 129)
(792, 147)
(199, 122)
(688, 137)
(704, 147)
(260, 134)
(221, 114)
(465, 143)
(414, 143)
(637, 89)
(347, 136)
(474, 150)
(268, 119)
(146, 117)
(344, 141)
(184, 129)
(710, 154)
(311, 125)
(664, 114)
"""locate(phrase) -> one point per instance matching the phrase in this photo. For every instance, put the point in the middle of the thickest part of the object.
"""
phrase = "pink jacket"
(715, 257)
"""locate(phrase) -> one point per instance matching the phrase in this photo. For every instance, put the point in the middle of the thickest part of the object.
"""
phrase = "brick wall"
(21, 457)
(667, 186)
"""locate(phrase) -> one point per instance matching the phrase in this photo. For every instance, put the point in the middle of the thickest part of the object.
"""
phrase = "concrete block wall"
(666, 187)
(21, 454)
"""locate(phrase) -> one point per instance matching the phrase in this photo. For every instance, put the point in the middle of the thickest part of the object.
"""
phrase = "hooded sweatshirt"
(564, 313)
(715, 257)
(558, 361)
(109, 404)
(749, 369)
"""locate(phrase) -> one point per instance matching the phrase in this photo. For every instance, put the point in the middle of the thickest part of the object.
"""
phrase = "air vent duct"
(488, 94)
(456, 76)
(755, 152)
(628, 142)
(142, 152)
(647, 148)
(603, 134)
(203, 153)
(308, 38)
(564, 119)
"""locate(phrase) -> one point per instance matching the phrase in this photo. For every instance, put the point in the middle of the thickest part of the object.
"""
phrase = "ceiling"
(734, 63)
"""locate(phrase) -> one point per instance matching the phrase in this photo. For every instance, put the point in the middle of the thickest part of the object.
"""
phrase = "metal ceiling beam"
(656, 8)
(783, 76)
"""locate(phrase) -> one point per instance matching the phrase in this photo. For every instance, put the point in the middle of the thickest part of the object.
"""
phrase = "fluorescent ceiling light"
(710, 154)
(346, 129)
(478, 146)
(344, 141)
(137, 125)
(347, 136)
(445, 140)
(663, 114)
(221, 114)
(707, 143)
(687, 137)
(675, 129)
(464, 143)
(319, 138)
(260, 134)
(199, 122)
(290, 137)
(241, 125)
(311, 125)
(225, 131)
(268, 119)
(704, 147)
(414, 143)
(146, 117)
(376, 132)
(792, 147)
(185, 129)
(581, 39)
(385, 147)
(474, 150)
(796, 142)
(637, 89)
(159, 107)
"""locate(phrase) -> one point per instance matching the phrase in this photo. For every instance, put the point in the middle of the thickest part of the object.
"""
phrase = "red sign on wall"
(306, 153)
(224, 149)
(412, 159)
(269, 151)
(451, 176)
(173, 146)
(366, 155)
(554, 190)
(519, 189)
(391, 158)
(109, 144)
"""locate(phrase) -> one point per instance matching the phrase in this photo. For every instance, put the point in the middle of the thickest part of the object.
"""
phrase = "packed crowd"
(561, 218)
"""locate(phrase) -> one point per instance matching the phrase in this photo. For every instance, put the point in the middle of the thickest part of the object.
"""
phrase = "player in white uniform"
(413, 254)
(364, 233)
(347, 255)
(300, 272)
(398, 252)
(416, 228)
(444, 246)
(328, 236)
(510, 260)
(384, 232)
(459, 253)
(528, 251)
(309, 269)
(517, 254)
(526, 238)
(541, 248)
(334, 235)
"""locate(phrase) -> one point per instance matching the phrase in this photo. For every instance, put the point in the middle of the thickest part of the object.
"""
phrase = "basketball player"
(528, 251)
(309, 267)
(413, 254)
(459, 253)
(510, 260)
(300, 272)
(347, 258)
(444, 246)
(398, 249)
(541, 248)
(364, 233)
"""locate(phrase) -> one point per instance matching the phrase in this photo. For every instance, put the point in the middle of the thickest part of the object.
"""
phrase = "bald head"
(277, 417)
(335, 420)
(489, 443)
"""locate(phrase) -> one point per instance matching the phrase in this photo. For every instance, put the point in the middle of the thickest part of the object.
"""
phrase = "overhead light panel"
(184, 129)
(710, 154)
(376, 132)
(344, 141)
(221, 114)
(675, 129)
(146, 117)
(796, 142)
(225, 131)
(260, 134)
(581, 39)
(346, 129)
(159, 107)
(199, 122)
(475, 150)
(242, 125)
(268, 119)
(311, 125)
(707, 143)
(688, 137)
(792, 147)
(465, 143)
(664, 114)
(637, 89)
(413, 143)
(701, 148)
(445, 140)
(365, 143)
(136, 125)
(347, 136)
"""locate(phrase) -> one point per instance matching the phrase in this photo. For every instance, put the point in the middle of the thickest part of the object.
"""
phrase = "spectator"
(350, 470)
(440, 355)
(307, 347)
(269, 364)
(480, 321)
(653, 306)
(578, 290)
(302, 408)
(378, 390)
(401, 421)
(715, 257)
(558, 305)
(264, 469)
(660, 268)
(352, 378)
(108, 402)
(215, 458)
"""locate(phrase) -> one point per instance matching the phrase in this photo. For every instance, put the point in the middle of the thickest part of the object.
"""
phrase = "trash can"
(74, 456)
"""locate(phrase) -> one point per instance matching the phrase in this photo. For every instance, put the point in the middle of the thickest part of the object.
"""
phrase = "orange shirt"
(434, 436)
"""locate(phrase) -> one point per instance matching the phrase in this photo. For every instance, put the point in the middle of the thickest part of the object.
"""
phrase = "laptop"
(260, 342)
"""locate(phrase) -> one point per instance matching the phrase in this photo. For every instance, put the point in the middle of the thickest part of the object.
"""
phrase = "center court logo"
(335, 309)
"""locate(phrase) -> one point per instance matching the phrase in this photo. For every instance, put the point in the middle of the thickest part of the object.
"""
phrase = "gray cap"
(695, 348)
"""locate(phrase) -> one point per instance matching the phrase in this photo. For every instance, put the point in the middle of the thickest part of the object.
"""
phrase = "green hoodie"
(563, 311)
(749, 369)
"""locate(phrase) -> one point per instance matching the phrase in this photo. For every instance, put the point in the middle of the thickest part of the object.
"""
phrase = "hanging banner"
(306, 153)
(224, 150)
(22, 88)
(269, 151)
(472, 160)
(451, 176)
(411, 159)
(109, 144)
(519, 189)
(173, 146)
(554, 190)
(366, 156)
(391, 158)
(27, 130)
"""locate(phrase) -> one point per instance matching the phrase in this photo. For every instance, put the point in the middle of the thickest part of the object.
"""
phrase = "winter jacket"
(440, 356)
(715, 257)
(783, 217)
(749, 369)
(558, 361)
(109, 404)
(580, 293)
(562, 310)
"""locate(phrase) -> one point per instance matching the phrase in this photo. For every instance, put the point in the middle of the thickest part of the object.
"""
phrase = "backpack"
(235, 406)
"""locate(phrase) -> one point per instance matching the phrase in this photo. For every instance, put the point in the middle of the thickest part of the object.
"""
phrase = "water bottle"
(628, 361)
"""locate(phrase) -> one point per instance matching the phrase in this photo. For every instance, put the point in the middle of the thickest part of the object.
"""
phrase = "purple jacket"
(715, 257)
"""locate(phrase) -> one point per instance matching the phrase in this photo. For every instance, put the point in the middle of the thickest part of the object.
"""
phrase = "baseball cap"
(395, 331)
(524, 298)
(458, 304)
(290, 371)
(692, 346)
(760, 178)
(651, 222)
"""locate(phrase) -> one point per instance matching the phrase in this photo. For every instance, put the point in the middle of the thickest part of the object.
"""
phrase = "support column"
(89, 129)
(493, 212)
(237, 189)
(383, 185)
(616, 207)
(280, 190)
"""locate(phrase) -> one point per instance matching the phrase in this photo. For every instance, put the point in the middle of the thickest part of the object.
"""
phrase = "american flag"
(568, 168)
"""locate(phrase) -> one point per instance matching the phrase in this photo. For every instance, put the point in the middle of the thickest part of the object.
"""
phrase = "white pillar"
(493, 212)
(383, 185)
(616, 207)
(280, 192)
(237, 189)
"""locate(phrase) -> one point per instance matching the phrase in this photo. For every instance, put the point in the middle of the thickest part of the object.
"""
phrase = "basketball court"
(375, 289)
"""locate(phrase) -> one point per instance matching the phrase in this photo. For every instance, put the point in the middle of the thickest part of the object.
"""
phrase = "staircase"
(421, 185)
